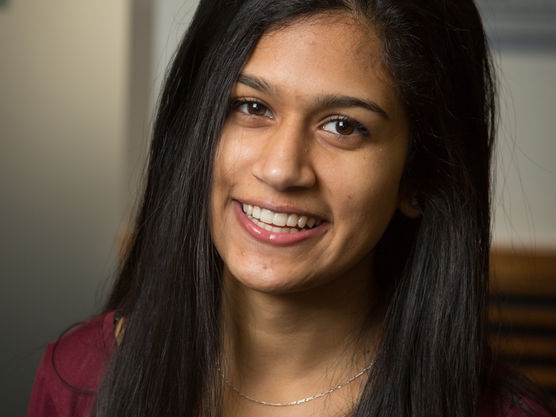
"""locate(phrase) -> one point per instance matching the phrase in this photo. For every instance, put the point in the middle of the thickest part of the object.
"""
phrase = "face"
(307, 171)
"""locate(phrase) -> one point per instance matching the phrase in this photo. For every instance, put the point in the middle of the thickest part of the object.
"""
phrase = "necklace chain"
(303, 400)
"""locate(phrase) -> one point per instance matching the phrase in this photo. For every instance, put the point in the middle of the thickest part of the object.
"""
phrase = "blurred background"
(78, 87)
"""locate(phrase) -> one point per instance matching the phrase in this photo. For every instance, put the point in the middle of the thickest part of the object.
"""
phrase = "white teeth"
(280, 219)
(292, 220)
(273, 229)
(275, 222)
(267, 216)
(263, 225)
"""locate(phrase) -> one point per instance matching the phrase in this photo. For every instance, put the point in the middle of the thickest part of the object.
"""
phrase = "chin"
(271, 282)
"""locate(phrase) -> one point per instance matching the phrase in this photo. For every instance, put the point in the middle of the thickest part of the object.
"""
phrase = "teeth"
(273, 228)
(280, 219)
(292, 220)
(267, 216)
(275, 222)
(248, 209)
(256, 212)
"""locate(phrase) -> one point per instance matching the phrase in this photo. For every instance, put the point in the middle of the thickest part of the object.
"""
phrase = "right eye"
(252, 108)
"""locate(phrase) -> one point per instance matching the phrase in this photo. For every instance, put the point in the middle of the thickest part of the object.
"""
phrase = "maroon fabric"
(492, 408)
(80, 357)
(71, 370)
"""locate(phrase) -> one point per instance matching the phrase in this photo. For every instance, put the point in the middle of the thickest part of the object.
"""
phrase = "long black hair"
(432, 358)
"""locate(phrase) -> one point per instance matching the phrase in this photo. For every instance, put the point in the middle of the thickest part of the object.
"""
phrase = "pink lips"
(273, 238)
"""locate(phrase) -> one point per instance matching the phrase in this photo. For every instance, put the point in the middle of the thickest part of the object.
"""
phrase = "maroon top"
(80, 356)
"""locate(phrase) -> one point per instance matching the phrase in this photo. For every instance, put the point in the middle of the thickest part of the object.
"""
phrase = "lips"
(278, 227)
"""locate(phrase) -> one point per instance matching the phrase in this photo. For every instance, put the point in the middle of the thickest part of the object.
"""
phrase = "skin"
(293, 314)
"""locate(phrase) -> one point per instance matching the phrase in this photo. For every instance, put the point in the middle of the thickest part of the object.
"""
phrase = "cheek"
(225, 165)
(234, 156)
(231, 171)
(366, 193)
(226, 160)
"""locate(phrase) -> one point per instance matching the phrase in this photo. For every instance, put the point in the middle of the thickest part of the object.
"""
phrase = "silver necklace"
(303, 400)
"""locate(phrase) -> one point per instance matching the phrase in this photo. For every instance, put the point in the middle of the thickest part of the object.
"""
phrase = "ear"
(409, 205)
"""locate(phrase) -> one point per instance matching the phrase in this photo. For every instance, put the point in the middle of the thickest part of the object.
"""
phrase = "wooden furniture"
(522, 314)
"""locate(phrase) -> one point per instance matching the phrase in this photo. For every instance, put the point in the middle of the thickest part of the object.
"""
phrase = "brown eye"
(252, 108)
(256, 109)
(345, 127)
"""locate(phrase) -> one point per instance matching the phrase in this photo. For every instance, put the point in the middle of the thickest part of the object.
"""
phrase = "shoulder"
(79, 356)
(72, 368)
(515, 404)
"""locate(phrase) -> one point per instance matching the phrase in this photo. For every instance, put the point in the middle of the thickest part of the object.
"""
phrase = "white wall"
(525, 209)
(170, 21)
(63, 127)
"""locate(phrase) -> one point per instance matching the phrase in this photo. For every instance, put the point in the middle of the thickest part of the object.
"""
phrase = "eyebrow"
(347, 101)
(330, 100)
(256, 83)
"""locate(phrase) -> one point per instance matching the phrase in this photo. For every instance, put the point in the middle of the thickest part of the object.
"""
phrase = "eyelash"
(362, 130)
(237, 103)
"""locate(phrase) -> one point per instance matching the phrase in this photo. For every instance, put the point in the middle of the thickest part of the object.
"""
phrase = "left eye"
(345, 127)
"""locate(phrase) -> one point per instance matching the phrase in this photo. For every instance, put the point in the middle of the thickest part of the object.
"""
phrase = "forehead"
(352, 33)
(332, 53)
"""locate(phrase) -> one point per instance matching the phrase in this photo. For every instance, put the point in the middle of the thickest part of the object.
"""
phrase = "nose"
(284, 162)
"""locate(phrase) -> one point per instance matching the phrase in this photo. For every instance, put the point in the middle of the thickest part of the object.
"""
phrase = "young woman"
(314, 234)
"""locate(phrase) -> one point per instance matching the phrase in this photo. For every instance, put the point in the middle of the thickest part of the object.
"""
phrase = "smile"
(279, 222)
(273, 227)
